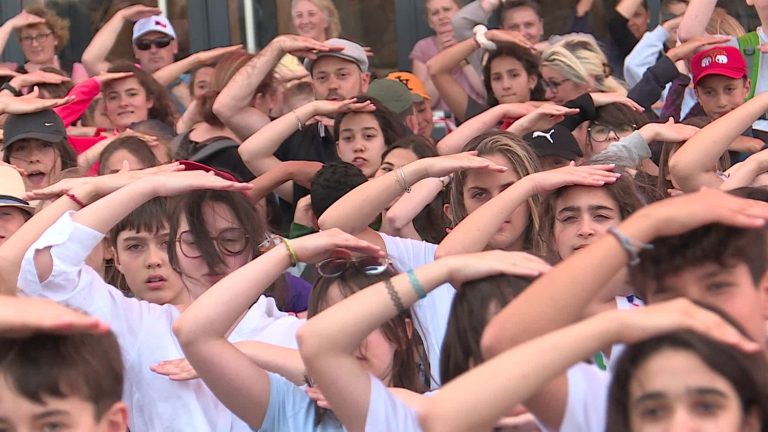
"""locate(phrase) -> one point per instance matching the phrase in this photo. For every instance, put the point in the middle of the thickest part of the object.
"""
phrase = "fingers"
(632, 104)
(711, 324)
(342, 240)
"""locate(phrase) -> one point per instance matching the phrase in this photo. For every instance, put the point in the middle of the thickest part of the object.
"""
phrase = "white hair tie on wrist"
(480, 31)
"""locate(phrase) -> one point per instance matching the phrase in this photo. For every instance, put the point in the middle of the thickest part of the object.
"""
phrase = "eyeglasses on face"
(146, 44)
(39, 38)
(231, 242)
(553, 85)
(371, 266)
(601, 133)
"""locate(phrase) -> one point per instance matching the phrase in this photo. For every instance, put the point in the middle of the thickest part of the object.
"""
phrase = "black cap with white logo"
(557, 141)
(44, 125)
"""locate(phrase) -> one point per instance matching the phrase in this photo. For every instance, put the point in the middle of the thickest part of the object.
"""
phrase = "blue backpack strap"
(749, 44)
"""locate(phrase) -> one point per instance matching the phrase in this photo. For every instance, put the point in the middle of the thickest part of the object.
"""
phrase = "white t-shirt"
(144, 332)
(432, 312)
(387, 413)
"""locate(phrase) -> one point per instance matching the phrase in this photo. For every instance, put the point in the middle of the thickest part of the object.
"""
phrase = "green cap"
(393, 94)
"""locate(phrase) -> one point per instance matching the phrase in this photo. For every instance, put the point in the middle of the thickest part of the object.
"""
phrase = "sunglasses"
(146, 44)
(371, 266)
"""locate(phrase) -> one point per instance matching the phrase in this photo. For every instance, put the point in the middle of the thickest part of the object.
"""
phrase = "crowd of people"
(521, 232)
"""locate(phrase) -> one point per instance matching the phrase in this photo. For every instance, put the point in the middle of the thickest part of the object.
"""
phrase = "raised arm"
(23, 19)
(582, 276)
(745, 173)
(440, 68)
(498, 385)
(485, 121)
(258, 150)
(348, 215)
(168, 74)
(695, 19)
(398, 219)
(240, 384)
(693, 165)
(477, 229)
(474, 13)
(233, 105)
(328, 342)
(94, 57)
(281, 178)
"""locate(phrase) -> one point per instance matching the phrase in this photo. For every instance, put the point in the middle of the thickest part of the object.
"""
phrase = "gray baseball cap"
(352, 52)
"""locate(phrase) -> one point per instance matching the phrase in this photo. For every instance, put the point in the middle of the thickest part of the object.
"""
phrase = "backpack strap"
(749, 45)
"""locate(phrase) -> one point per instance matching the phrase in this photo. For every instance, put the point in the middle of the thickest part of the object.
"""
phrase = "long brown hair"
(523, 161)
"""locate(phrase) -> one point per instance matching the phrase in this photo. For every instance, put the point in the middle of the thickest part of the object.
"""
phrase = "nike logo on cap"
(48, 124)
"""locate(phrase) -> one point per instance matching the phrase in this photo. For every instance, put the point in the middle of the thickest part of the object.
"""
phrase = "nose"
(586, 228)
(722, 100)
(682, 421)
(155, 256)
(549, 94)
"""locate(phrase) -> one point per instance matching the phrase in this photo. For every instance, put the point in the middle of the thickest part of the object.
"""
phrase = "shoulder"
(424, 49)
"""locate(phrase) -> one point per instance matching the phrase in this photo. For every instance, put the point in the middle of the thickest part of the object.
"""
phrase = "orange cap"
(413, 83)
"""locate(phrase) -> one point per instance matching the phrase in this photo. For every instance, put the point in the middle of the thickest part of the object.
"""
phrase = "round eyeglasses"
(231, 241)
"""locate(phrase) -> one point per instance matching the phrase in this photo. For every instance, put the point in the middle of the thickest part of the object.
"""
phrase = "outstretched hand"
(316, 247)
(21, 316)
(585, 175)
(441, 166)
(469, 267)
(30, 103)
(175, 370)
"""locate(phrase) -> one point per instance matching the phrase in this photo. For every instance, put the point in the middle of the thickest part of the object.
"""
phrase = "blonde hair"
(331, 15)
(58, 25)
(523, 162)
(721, 23)
(580, 59)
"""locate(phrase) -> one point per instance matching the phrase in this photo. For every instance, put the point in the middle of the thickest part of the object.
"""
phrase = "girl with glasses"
(42, 35)
(220, 227)
(267, 401)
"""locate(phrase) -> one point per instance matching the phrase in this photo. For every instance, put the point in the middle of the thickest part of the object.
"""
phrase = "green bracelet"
(416, 285)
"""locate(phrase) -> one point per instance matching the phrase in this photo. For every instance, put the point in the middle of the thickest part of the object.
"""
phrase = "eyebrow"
(51, 413)
(696, 391)
(591, 208)
(134, 239)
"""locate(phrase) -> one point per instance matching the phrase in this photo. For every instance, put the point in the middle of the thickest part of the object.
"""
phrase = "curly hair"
(58, 25)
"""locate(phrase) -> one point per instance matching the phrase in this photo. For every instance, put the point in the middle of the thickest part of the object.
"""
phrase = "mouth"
(155, 281)
(580, 247)
(36, 177)
(359, 162)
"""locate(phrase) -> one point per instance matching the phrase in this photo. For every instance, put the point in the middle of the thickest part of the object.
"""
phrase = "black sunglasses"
(146, 44)
(332, 267)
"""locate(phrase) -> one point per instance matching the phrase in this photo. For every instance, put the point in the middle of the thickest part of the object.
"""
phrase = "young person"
(511, 74)
(210, 237)
(726, 270)
(265, 400)
(131, 150)
(14, 210)
(60, 369)
(37, 143)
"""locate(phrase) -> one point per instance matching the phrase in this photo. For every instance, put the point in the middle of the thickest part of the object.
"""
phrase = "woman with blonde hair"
(316, 19)
(42, 34)
(576, 65)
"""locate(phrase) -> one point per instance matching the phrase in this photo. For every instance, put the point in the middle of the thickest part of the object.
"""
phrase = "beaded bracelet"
(632, 250)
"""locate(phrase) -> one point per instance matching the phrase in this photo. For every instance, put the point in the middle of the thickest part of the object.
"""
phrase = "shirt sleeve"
(387, 413)
(630, 151)
(466, 19)
(644, 54)
(84, 93)
(74, 284)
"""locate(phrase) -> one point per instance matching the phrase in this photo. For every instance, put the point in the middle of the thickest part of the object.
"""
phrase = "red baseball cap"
(720, 60)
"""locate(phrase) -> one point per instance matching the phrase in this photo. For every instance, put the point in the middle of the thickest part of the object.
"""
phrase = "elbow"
(433, 66)
(432, 419)
(684, 32)
(442, 252)
(308, 343)
(395, 221)
(489, 342)
(181, 330)
(220, 108)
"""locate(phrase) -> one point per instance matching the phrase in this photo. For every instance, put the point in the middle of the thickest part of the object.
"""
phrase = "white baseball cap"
(156, 23)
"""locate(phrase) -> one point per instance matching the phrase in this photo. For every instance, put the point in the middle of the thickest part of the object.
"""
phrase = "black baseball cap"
(557, 141)
(43, 125)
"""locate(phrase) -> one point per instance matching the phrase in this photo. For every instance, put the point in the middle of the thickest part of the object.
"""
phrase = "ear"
(115, 419)
(409, 328)
(448, 210)
(109, 251)
(365, 79)
(150, 102)
(747, 84)
(175, 45)
(752, 421)
(116, 257)
(532, 81)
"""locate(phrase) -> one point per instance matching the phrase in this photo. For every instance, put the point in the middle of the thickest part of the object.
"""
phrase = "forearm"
(258, 150)
(467, 18)
(90, 156)
(580, 278)
(6, 30)
(477, 229)
(699, 155)
(410, 205)
(474, 78)
(95, 55)
(348, 215)
(447, 60)
(630, 151)
(495, 387)
(168, 74)
(420, 70)
(104, 213)
(644, 55)
(455, 141)
(235, 98)
(747, 172)
(627, 8)
(213, 314)
(695, 19)
(265, 183)
(84, 93)
(283, 361)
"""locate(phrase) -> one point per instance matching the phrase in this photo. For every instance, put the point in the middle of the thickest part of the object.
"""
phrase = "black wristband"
(14, 91)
